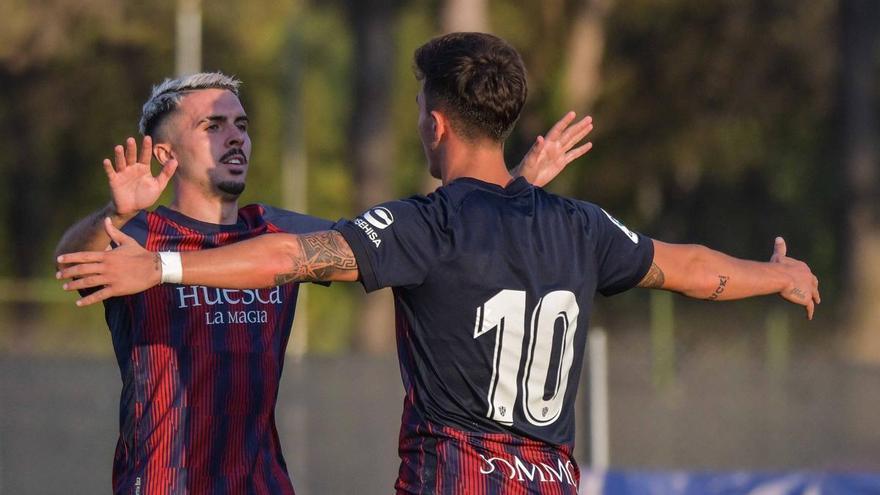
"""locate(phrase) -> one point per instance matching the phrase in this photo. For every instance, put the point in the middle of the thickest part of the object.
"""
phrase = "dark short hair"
(477, 78)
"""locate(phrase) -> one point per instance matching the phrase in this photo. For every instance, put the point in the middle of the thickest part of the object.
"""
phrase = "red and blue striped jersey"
(493, 289)
(201, 368)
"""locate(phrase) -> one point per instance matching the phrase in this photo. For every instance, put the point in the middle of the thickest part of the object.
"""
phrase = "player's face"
(426, 134)
(209, 136)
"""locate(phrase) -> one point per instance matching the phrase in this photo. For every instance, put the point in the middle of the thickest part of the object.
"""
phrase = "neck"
(483, 161)
(202, 207)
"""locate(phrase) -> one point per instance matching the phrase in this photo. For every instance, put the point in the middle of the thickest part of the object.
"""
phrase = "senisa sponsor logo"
(379, 217)
(373, 221)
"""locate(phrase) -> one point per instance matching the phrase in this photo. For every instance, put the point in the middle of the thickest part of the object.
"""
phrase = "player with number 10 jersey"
(493, 289)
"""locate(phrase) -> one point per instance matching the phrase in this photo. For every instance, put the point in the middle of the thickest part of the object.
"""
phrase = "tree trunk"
(295, 168)
(858, 44)
(586, 49)
(372, 142)
(465, 15)
(28, 209)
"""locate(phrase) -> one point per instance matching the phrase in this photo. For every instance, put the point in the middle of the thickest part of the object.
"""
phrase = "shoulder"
(577, 210)
(286, 220)
(138, 227)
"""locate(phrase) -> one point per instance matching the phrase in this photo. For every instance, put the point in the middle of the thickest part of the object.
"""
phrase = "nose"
(235, 138)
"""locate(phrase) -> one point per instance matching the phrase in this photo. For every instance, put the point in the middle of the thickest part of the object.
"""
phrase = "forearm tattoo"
(322, 255)
(654, 279)
(722, 284)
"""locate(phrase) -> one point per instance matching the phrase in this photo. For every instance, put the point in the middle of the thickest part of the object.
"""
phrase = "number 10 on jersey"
(505, 313)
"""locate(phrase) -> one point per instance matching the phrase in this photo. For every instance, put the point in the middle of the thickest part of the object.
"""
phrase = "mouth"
(235, 160)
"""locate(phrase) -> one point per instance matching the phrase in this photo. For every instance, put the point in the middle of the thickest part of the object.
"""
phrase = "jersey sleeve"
(395, 243)
(137, 228)
(623, 257)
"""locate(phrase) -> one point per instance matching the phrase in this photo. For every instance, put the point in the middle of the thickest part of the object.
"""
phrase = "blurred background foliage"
(720, 122)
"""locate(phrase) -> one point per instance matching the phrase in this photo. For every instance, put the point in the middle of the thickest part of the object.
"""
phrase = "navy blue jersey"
(493, 293)
(201, 367)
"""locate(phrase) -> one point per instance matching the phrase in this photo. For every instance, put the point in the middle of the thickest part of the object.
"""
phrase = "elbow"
(703, 281)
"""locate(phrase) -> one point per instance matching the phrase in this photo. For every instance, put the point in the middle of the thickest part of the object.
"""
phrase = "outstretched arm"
(133, 188)
(699, 272)
(263, 261)
(550, 155)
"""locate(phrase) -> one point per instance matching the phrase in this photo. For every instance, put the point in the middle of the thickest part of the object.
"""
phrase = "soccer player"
(493, 279)
(201, 367)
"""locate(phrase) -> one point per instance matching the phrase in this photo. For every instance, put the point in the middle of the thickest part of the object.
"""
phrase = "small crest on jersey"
(629, 233)
(379, 217)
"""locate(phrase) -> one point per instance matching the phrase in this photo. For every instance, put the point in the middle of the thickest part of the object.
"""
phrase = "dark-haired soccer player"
(201, 367)
(493, 280)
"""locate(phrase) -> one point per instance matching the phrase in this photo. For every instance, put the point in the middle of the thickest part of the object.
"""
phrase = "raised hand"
(128, 269)
(132, 184)
(803, 288)
(551, 153)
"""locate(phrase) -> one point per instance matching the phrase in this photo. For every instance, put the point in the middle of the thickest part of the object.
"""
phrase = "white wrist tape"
(172, 267)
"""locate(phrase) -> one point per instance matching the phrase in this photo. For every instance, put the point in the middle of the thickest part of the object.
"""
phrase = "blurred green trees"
(716, 122)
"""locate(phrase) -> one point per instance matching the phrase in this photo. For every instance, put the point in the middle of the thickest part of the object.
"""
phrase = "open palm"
(132, 184)
(550, 155)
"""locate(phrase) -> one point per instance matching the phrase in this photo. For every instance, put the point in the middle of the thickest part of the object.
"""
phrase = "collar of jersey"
(192, 223)
(516, 186)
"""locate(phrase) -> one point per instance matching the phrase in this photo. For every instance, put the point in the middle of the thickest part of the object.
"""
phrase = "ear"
(440, 128)
(163, 152)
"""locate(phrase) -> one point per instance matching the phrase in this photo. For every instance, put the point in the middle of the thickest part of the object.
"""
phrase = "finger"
(817, 297)
(96, 297)
(560, 125)
(168, 171)
(108, 169)
(79, 270)
(115, 234)
(146, 151)
(538, 147)
(119, 157)
(779, 250)
(810, 309)
(85, 283)
(81, 257)
(130, 151)
(577, 132)
(578, 152)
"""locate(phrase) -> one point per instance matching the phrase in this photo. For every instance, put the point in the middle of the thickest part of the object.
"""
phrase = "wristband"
(172, 267)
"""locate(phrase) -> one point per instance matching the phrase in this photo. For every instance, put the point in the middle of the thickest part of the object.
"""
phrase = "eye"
(212, 127)
(243, 127)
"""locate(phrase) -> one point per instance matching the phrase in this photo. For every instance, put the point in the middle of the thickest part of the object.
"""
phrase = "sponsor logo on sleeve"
(629, 233)
(373, 222)
(379, 217)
